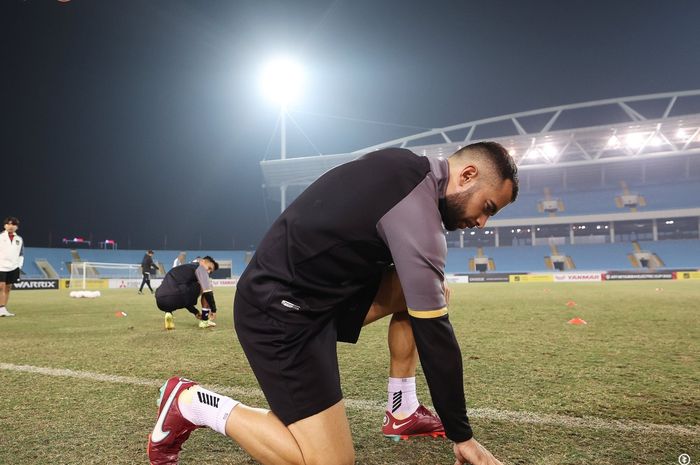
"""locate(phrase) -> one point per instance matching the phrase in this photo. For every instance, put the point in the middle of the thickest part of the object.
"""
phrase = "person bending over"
(362, 242)
(181, 288)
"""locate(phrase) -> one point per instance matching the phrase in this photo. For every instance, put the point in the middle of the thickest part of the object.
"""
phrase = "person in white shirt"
(11, 261)
(180, 259)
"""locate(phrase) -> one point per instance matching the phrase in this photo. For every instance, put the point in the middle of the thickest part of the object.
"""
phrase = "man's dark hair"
(216, 265)
(499, 158)
(11, 220)
(150, 252)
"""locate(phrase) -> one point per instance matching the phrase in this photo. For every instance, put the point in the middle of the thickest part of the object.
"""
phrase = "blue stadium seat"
(589, 202)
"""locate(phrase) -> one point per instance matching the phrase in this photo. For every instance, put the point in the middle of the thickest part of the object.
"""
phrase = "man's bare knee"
(388, 300)
(325, 437)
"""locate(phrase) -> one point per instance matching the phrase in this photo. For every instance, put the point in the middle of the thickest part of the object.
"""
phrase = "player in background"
(181, 259)
(324, 269)
(181, 288)
(147, 267)
(11, 261)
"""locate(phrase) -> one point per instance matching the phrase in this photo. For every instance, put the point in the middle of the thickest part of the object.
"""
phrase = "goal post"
(92, 275)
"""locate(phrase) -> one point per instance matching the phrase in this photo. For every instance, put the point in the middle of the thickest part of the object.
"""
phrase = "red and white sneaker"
(172, 429)
(421, 423)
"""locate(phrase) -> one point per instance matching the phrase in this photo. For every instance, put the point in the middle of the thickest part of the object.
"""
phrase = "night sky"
(137, 120)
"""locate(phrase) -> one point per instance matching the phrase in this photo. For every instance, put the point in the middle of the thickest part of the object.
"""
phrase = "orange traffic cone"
(577, 321)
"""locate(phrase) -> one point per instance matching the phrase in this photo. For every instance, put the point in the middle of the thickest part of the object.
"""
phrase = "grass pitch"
(622, 389)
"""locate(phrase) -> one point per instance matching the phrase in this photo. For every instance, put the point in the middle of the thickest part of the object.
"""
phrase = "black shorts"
(187, 297)
(9, 277)
(294, 356)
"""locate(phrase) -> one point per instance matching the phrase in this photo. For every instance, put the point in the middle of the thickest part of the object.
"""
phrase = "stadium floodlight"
(613, 142)
(533, 153)
(281, 81)
(549, 150)
(634, 140)
(655, 141)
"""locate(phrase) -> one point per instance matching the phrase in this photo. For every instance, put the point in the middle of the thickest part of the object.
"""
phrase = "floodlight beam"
(281, 81)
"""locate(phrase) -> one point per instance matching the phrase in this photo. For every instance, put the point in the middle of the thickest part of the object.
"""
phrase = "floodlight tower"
(281, 83)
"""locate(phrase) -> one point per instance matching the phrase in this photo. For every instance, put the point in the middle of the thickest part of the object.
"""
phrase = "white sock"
(206, 408)
(402, 400)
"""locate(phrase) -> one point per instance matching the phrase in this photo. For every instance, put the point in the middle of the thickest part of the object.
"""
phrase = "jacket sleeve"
(20, 259)
(441, 360)
(203, 279)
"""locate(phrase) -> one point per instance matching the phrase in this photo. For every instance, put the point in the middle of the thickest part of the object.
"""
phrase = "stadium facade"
(606, 172)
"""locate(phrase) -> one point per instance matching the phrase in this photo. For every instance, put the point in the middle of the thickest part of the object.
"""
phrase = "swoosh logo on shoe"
(399, 425)
(158, 434)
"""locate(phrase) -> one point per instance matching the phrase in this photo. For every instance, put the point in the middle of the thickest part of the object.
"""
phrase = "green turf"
(636, 360)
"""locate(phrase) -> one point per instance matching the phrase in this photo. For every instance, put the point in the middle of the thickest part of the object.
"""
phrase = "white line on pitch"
(360, 404)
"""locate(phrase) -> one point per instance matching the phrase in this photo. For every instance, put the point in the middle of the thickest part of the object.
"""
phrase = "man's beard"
(451, 209)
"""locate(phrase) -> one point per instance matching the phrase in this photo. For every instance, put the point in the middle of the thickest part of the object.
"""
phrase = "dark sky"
(136, 120)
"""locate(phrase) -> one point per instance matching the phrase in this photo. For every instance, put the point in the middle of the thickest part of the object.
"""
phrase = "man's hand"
(473, 453)
(447, 294)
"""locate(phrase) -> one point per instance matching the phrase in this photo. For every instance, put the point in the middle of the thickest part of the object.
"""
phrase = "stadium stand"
(517, 259)
(675, 253)
(46, 269)
(666, 196)
(515, 254)
(587, 257)
(658, 196)
(599, 256)
(59, 259)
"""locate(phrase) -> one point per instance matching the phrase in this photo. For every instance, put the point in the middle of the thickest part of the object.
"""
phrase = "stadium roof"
(591, 133)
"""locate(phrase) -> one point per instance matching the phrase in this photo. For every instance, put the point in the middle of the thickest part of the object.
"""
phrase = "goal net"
(92, 275)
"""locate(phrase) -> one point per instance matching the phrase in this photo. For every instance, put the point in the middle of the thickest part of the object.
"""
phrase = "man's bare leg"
(4, 293)
(321, 438)
(185, 406)
(402, 401)
(4, 297)
(402, 347)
